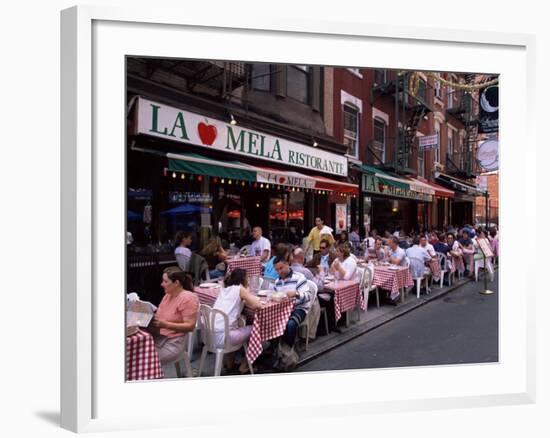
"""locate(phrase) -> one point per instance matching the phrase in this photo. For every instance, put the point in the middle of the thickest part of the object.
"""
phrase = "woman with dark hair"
(176, 314)
(229, 300)
(215, 256)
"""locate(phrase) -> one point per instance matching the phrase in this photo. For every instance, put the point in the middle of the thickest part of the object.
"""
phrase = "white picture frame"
(93, 395)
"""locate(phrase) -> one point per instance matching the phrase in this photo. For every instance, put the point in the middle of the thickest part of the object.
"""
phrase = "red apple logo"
(207, 133)
(380, 187)
(282, 179)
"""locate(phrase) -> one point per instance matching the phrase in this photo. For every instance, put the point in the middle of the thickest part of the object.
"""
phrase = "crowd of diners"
(288, 268)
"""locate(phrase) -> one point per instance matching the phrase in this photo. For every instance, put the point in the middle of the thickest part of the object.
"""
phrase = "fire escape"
(463, 164)
(409, 110)
(223, 80)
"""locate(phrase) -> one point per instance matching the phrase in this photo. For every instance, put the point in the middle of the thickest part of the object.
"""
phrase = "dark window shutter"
(316, 88)
(280, 80)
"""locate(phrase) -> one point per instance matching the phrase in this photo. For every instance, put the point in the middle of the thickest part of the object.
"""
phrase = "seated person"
(428, 247)
(215, 256)
(182, 252)
(394, 254)
(455, 252)
(229, 300)
(323, 259)
(175, 316)
(295, 286)
(418, 256)
(467, 246)
(298, 259)
(377, 251)
(260, 246)
(269, 269)
(441, 246)
(344, 266)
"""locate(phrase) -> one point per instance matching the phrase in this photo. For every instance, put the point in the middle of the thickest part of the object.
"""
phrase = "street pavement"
(460, 327)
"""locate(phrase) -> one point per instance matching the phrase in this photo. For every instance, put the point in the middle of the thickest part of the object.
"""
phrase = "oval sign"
(487, 155)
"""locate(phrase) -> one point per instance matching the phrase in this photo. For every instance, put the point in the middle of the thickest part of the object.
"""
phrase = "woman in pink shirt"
(176, 314)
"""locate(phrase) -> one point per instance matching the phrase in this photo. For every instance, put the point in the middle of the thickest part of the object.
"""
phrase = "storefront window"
(286, 217)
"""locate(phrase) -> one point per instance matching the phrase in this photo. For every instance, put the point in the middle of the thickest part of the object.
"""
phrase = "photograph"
(286, 218)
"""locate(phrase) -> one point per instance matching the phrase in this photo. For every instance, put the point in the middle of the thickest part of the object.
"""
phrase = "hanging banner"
(487, 155)
(341, 218)
(428, 142)
(488, 110)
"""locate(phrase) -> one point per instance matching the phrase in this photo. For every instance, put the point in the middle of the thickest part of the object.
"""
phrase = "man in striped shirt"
(294, 284)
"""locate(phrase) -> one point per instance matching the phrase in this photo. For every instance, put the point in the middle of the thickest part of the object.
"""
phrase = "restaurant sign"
(286, 180)
(372, 184)
(167, 122)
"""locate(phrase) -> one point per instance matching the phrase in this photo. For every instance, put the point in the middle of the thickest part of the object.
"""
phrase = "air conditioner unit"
(438, 166)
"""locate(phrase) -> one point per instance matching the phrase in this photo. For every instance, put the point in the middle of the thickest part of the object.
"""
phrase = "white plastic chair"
(442, 260)
(418, 280)
(208, 318)
(371, 288)
(305, 323)
(480, 264)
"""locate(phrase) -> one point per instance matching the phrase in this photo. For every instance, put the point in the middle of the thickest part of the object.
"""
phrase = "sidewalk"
(368, 321)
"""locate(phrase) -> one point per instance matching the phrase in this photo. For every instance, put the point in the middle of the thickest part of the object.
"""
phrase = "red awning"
(313, 182)
(440, 190)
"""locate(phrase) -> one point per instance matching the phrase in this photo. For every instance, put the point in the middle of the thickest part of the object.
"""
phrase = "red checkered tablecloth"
(392, 279)
(435, 268)
(252, 265)
(269, 322)
(142, 359)
(207, 296)
(347, 295)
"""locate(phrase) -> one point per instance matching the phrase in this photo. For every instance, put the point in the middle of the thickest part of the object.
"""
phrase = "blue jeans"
(296, 318)
(214, 273)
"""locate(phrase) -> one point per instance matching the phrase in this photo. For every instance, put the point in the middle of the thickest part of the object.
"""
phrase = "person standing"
(314, 237)
(260, 246)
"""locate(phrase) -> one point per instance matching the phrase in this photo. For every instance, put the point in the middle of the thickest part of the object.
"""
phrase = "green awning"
(201, 165)
(385, 178)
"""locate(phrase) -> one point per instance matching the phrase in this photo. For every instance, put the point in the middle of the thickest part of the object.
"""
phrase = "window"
(450, 150)
(261, 77)
(450, 96)
(437, 155)
(421, 93)
(420, 163)
(379, 143)
(298, 82)
(351, 129)
(380, 76)
(437, 89)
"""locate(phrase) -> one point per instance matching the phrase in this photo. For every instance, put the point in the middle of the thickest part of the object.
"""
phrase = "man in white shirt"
(395, 255)
(418, 256)
(427, 246)
(260, 246)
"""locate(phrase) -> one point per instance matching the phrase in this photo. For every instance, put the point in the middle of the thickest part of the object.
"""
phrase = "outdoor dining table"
(268, 322)
(142, 359)
(252, 265)
(347, 295)
(393, 279)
